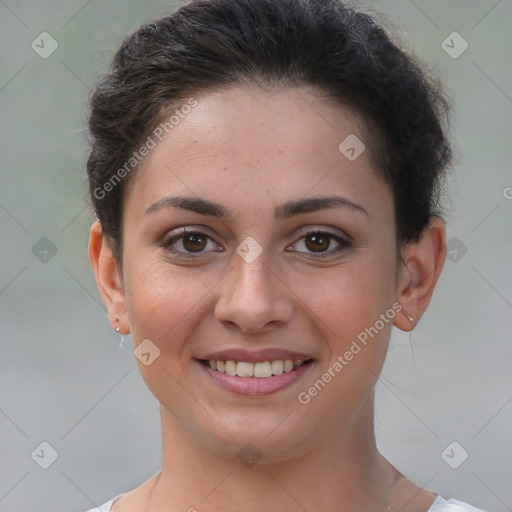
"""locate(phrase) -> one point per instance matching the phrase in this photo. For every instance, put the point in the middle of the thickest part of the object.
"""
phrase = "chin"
(270, 438)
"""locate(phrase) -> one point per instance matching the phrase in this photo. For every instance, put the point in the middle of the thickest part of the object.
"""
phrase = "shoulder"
(107, 506)
(439, 505)
(442, 505)
(408, 497)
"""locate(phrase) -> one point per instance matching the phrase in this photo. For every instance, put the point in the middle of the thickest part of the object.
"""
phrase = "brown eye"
(318, 242)
(194, 242)
(189, 244)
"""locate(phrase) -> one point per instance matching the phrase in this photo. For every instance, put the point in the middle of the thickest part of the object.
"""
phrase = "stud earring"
(410, 318)
(117, 330)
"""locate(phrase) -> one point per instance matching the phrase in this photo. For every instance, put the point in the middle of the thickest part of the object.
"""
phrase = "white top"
(439, 505)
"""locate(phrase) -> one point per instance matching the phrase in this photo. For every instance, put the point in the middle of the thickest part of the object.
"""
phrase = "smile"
(255, 378)
(261, 370)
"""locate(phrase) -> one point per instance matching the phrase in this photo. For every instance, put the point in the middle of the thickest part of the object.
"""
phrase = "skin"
(252, 149)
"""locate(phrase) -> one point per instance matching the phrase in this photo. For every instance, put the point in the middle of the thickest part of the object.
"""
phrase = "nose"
(252, 297)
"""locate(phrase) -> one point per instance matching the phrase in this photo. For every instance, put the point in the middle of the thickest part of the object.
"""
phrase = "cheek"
(347, 309)
(349, 299)
(166, 307)
(165, 304)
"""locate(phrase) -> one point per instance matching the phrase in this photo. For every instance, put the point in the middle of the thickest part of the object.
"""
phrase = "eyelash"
(170, 241)
(343, 244)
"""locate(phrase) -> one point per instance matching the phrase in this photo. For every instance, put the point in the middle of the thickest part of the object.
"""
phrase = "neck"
(340, 473)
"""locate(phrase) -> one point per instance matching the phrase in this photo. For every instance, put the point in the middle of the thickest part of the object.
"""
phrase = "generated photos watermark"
(150, 143)
(304, 397)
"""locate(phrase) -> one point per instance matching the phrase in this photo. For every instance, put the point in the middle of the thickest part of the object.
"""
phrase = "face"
(251, 240)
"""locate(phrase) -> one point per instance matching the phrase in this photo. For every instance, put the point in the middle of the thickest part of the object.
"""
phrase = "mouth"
(255, 378)
(258, 370)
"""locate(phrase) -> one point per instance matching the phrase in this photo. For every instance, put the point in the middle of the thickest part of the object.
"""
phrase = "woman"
(266, 176)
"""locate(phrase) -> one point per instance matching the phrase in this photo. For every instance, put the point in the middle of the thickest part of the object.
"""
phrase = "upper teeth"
(261, 370)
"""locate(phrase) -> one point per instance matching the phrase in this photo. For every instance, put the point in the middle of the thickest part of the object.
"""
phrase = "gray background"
(64, 378)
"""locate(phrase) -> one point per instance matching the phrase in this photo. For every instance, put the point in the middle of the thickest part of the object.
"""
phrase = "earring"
(117, 330)
(410, 318)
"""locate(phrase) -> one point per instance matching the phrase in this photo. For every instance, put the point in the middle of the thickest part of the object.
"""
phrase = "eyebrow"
(194, 204)
(284, 211)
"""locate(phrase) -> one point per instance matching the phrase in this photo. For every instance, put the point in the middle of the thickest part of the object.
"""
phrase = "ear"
(421, 267)
(108, 278)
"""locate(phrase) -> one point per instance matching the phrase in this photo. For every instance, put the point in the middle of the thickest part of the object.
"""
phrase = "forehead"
(285, 141)
(237, 118)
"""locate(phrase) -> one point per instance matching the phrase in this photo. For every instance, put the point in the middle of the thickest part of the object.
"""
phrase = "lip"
(255, 386)
(255, 356)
